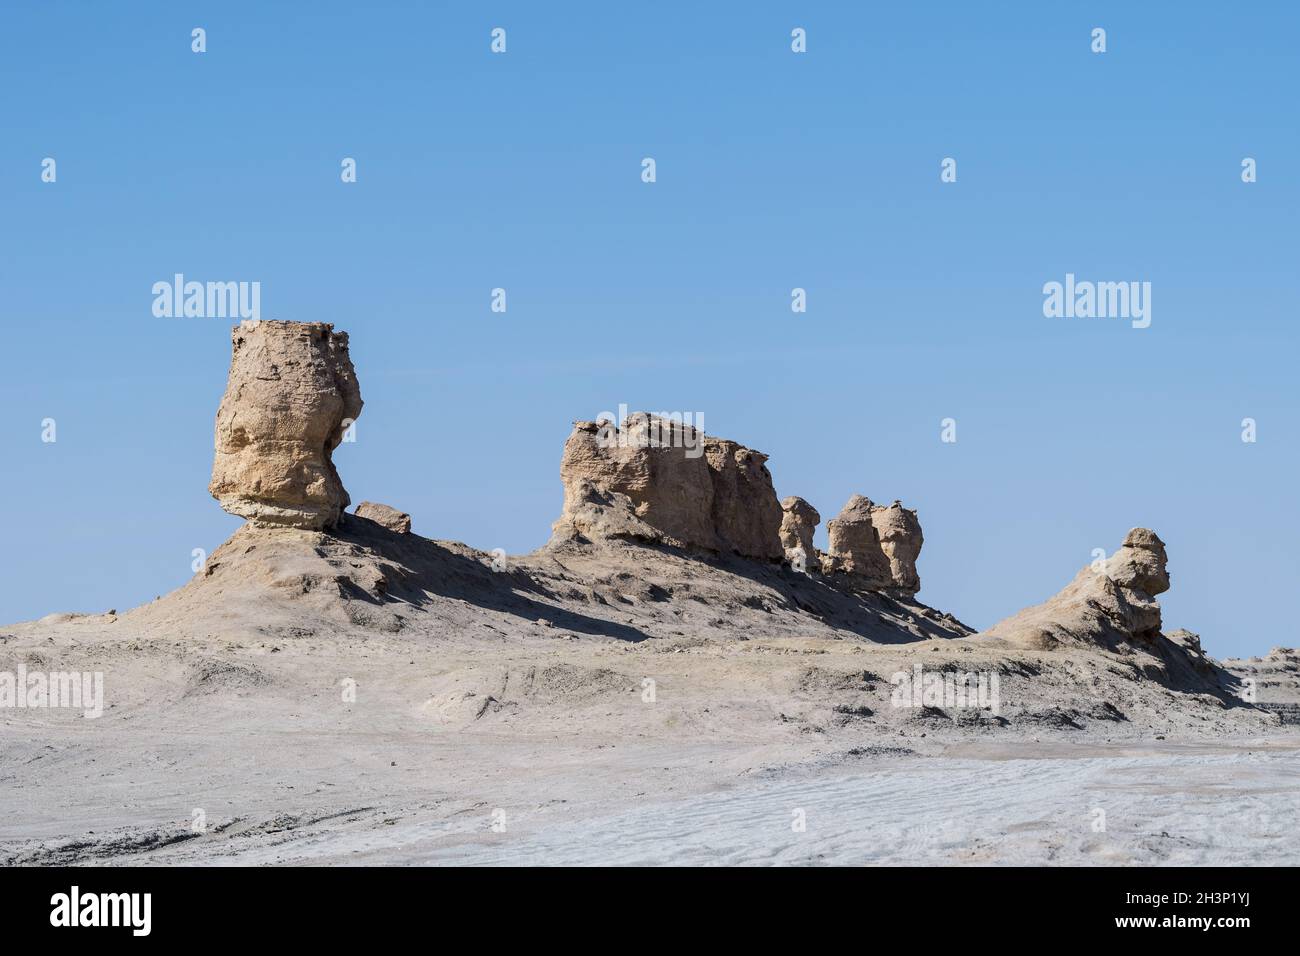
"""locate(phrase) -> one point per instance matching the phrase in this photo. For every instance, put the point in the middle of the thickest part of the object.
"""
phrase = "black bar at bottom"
(335, 905)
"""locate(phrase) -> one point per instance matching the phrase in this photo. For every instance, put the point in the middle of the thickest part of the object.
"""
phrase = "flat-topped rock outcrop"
(658, 479)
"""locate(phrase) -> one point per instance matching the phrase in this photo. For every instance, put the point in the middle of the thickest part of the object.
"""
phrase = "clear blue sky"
(775, 170)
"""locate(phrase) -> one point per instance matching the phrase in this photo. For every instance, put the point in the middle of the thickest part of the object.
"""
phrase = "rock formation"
(390, 518)
(855, 548)
(592, 513)
(798, 525)
(746, 513)
(663, 477)
(1140, 563)
(660, 480)
(899, 532)
(1107, 605)
(291, 393)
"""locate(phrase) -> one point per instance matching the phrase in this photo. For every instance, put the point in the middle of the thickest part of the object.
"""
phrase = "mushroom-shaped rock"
(855, 547)
(390, 518)
(290, 396)
(799, 522)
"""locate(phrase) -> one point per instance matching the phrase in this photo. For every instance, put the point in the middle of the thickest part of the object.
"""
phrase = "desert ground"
(508, 721)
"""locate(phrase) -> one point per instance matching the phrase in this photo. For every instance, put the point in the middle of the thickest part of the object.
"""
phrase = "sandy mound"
(748, 648)
(293, 582)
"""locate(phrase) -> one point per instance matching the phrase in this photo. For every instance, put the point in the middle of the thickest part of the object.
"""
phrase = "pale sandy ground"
(586, 772)
(300, 799)
(524, 692)
(1224, 807)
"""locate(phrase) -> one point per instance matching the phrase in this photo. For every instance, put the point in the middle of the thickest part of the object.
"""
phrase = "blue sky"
(775, 170)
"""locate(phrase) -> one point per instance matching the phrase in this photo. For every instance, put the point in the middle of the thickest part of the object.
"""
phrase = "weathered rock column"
(799, 522)
(290, 396)
(899, 531)
(855, 547)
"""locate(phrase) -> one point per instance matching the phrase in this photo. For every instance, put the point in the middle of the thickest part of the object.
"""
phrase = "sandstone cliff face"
(1109, 606)
(855, 548)
(798, 525)
(290, 390)
(663, 477)
(746, 513)
(899, 531)
(664, 481)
